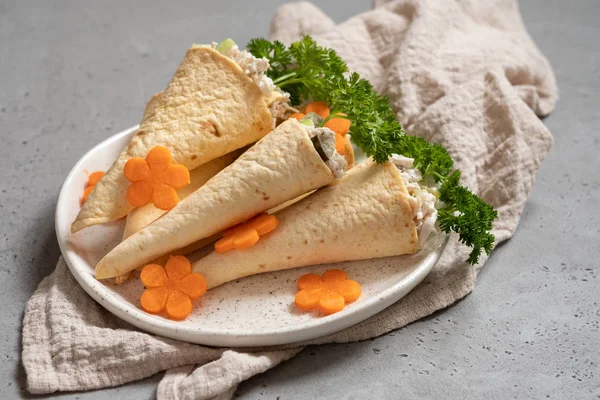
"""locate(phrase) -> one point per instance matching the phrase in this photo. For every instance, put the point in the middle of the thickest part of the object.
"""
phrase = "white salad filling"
(255, 68)
(324, 141)
(422, 196)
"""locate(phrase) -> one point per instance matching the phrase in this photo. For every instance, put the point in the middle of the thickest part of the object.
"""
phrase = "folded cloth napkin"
(463, 73)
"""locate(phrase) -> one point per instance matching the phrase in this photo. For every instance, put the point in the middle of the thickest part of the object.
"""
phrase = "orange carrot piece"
(171, 288)
(245, 235)
(263, 223)
(308, 299)
(155, 179)
(140, 193)
(178, 306)
(176, 175)
(233, 230)
(178, 267)
(334, 275)
(95, 178)
(318, 107)
(245, 239)
(159, 158)
(339, 125)
(164, 196)
(350, 290)
(331, 302)
(193, 285)
(153, 275)
(297, 116)
(340, 144)
(137, 170)
(224, 244)
(329, 293)
(86, 193)
(309, 281)
(153, 300)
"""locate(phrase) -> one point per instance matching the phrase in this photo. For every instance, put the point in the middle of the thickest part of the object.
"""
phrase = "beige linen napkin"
(461, 73)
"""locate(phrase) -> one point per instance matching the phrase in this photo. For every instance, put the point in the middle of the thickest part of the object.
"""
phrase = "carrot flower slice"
(93, 179)
(245, 235)
(153, 276)
(171, 289)
(155, 179)
(297, 116)
(339, 125)
(178, 306)
(318, 107)
(178, 267)
(137, 170)
(328, 293)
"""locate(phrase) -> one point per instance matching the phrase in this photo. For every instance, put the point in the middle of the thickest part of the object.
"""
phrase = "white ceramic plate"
(255, 311)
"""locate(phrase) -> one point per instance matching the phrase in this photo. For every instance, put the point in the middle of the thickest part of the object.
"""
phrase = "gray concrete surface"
(74, 72)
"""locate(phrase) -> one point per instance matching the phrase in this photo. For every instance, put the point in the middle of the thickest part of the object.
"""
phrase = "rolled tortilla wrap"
(281, 166)
(366, 215)
(210, 108)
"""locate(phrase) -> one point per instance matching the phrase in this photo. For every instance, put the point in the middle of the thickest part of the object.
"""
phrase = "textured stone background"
(75, 72)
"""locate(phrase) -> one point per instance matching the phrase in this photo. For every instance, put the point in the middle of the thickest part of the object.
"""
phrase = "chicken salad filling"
(324, 141)
(423, 196)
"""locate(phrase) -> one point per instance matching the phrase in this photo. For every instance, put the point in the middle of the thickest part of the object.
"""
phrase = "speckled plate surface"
(255, 311)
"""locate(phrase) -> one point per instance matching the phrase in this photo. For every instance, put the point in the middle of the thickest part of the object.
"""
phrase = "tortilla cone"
(366, 215)
(281, 166)
(210, 108)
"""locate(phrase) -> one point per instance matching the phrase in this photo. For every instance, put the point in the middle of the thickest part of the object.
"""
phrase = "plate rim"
(198, 335)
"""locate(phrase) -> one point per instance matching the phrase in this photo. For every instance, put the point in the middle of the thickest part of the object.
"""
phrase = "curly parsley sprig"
(308, 71)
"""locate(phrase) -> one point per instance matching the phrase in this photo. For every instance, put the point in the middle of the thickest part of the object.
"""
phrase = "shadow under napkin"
(467, 77)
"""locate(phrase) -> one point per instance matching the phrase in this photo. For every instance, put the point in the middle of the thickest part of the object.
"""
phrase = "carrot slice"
(140, 193)
(309, 281)
(136, 170)
(153, 275)
(297, 116)
(233, 230)
(95, 177)
(318, 107)
(164, 196)
(178, 267)
(86, 193)
(159, 158)
(171, 288)
(308, 299)
(245, 235)
(153, 300)
(331, 302)
(176, 175)
(340, 144)
(329, 293)
(334, 275)
(178, 305)
(350, 290)
(339, 125)
(245, 239)
(263, 223)
(193, 285)
(224, 244)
